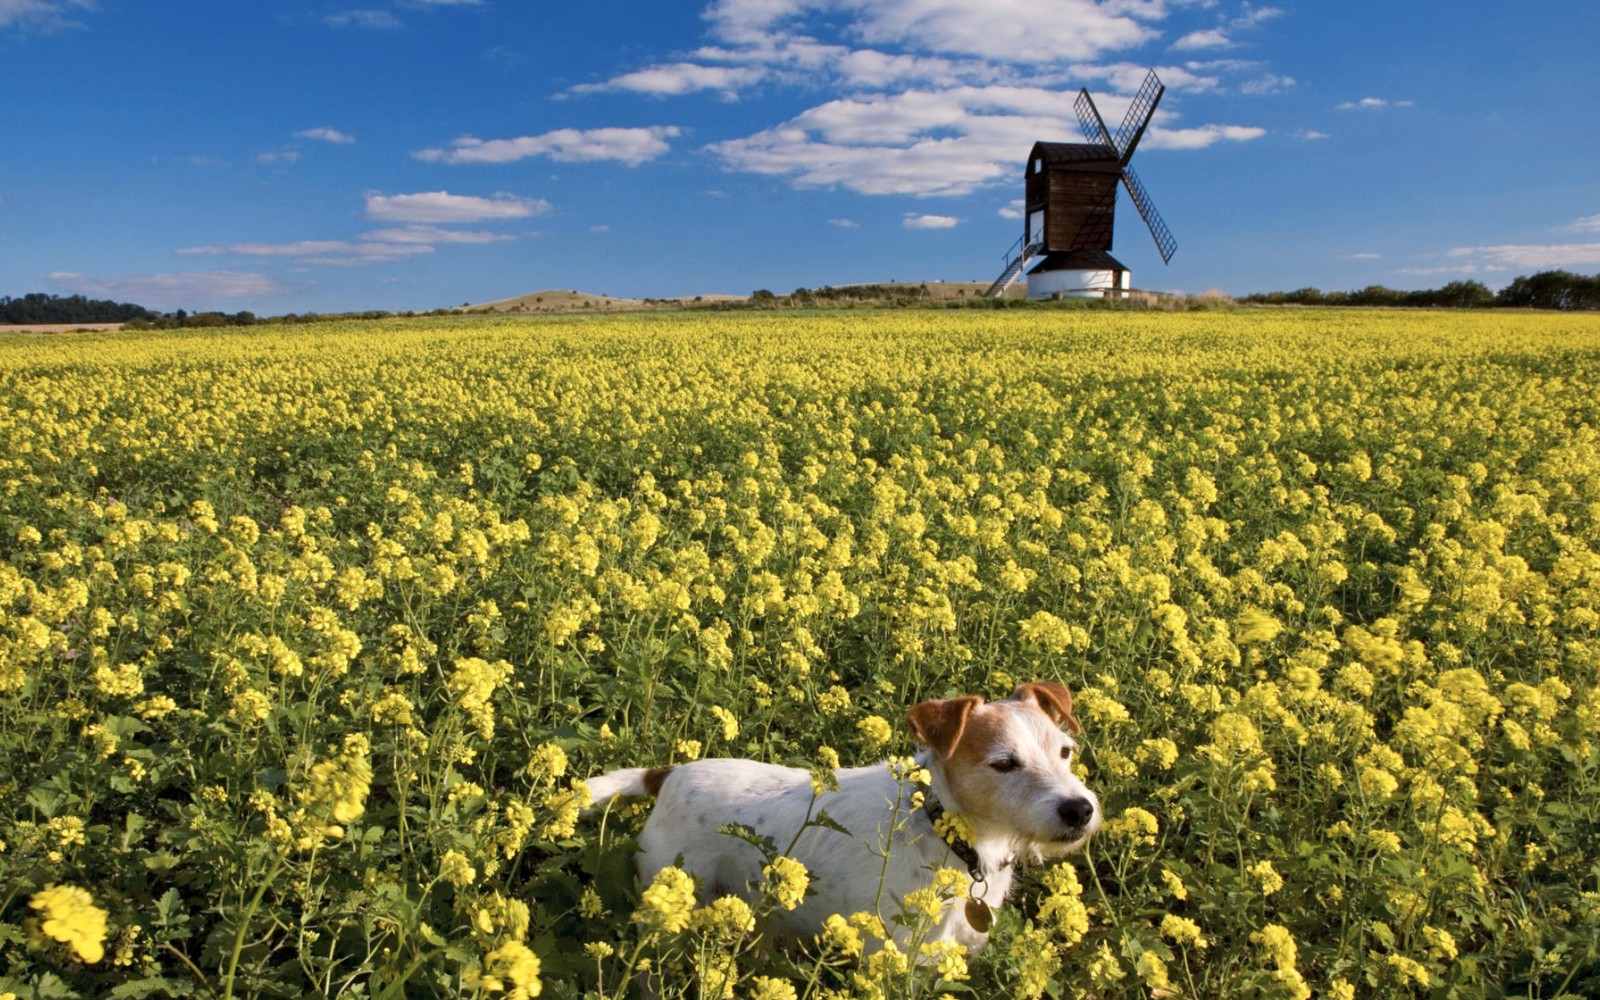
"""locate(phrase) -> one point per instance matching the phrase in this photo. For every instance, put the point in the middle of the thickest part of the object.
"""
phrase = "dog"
(1005, 765)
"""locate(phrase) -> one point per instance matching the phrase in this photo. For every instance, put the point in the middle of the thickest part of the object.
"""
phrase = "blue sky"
(293, 156)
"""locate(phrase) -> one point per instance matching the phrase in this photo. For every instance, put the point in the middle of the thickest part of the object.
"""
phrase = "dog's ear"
(1054, 699)
(939, 722)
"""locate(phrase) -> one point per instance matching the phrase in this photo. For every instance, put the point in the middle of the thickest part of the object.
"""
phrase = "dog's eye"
(1007, 763)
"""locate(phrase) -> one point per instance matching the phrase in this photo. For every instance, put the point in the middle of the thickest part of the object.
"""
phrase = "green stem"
(244, 926)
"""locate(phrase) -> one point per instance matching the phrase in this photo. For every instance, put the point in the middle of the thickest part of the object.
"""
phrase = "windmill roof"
(1084, 259)
(1072, 152)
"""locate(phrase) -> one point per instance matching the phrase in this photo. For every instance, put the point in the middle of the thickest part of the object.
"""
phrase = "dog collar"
(978, 914)
(935, 811)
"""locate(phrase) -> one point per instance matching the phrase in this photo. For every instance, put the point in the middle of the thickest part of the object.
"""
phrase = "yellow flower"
(767, 988)
(512, 969)
(67, 914)
(1174, 884)
(948, 958)
(875, 729)
(455, 869)
(730, 724)
(834, 700)
(1268, 876)
(727, 917)
(838, 933)
(1255, 626)
(787, 880)
(667, 903)
(1182, 930)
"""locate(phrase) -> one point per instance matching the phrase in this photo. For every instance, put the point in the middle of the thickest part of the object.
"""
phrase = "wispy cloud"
(382, 20)
(1365, 256)
(334, 252)
(434, 234)
(672, 79)
(1587, 224)
(1268, 83)
(43, 15)
(844, 223)
(1533, 255)
(1374, 104)
(915, 220)
(278, 156)
(189, 290)
(326, 134)
(444, 207)
(1210, 38)
(631, 146)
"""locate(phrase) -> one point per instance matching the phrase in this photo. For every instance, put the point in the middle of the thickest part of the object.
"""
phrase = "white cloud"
(1541, 256)
(342, 253)
(672, 79)
(1587, 224)
(1269, 83)
(1010, 30)
(844, 223)
(1210, 38)
(1013, 210)
(1200, 137)
(377, 19)
(442, 206)
(326, 134)
(191, 290)
(914, 220)
(1374, 104)
(1311, 134)
(434, 234)
(42, 15)
(281, 156)
(931, 143)
(632, 146)
(1365, 256)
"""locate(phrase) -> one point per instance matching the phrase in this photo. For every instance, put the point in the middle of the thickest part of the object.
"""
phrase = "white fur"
(1015, 813)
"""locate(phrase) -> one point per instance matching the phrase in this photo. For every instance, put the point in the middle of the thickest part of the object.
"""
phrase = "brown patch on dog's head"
(1053, 699)
(654, 778)
(940, 723)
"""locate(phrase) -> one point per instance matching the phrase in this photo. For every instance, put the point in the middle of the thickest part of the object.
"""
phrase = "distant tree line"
(41, 308)
(1545, 290)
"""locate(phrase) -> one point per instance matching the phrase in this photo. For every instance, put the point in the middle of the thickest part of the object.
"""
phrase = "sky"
(338, 155)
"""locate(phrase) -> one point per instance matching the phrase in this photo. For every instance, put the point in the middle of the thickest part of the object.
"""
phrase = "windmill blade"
(1147, 210)
(1089, 120)
(1138, 117)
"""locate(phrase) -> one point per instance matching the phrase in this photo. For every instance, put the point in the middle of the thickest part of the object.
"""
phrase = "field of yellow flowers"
(306, 636)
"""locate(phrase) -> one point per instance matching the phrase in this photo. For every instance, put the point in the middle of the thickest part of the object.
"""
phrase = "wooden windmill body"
(1070, 206)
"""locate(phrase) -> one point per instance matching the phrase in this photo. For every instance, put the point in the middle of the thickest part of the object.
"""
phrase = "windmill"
(1071, 205)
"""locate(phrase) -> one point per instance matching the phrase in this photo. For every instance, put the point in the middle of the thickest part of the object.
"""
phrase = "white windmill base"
(1076, 285)
(1062, 277)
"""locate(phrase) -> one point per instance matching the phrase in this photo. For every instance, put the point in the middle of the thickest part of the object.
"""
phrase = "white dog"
(1005, 765)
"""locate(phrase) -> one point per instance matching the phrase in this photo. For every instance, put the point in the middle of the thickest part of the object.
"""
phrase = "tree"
(1552, 290)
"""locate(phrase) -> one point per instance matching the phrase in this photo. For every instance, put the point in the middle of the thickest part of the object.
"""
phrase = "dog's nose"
(1075, 812)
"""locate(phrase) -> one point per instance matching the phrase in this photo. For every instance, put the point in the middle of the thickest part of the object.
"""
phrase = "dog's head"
(1008, 764)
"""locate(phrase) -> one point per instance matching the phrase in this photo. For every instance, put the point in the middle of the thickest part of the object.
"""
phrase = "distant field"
(307, 632)
(55, 327)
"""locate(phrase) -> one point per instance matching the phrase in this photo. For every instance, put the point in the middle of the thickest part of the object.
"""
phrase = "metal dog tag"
(979, 915)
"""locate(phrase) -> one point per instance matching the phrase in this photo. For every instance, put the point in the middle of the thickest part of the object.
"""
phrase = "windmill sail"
(1147, 210)
(1138, 117)
(1089, 120)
